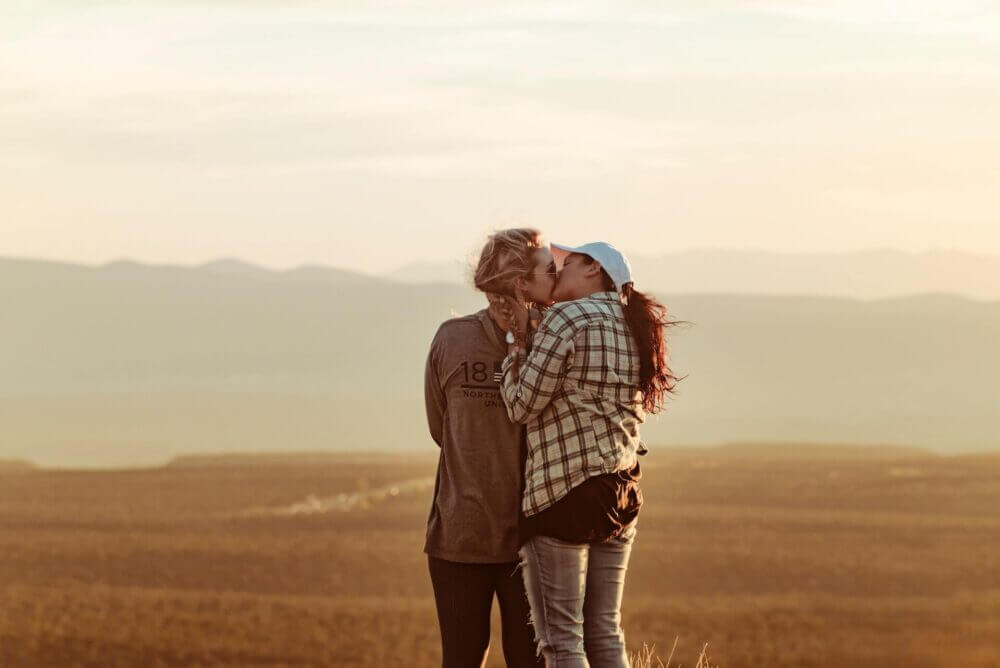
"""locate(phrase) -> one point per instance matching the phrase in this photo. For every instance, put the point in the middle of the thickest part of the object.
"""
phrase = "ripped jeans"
(575, 593)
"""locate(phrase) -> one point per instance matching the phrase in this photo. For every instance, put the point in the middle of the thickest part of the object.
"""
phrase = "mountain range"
(128, 364)
(871, 274)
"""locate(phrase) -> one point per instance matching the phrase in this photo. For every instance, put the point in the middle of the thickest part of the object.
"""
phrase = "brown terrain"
(774, 556)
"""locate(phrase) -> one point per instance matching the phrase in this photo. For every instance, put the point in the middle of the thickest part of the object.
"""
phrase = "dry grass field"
(771, 556)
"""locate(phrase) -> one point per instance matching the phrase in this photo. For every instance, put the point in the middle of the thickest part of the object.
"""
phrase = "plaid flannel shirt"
(578, 393)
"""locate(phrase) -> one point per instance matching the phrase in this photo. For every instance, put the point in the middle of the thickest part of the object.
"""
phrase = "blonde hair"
(507, 254)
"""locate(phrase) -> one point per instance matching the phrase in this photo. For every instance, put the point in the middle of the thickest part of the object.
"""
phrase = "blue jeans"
(575, 593)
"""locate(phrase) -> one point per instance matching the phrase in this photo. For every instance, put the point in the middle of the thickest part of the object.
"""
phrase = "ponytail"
(647, 321)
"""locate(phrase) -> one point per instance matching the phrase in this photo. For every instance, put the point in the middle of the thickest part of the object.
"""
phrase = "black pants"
(464, 597)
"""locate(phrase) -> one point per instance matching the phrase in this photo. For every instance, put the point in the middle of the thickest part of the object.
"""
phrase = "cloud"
(691, 110)
(952, 206)
(927, 17)
(241, 130)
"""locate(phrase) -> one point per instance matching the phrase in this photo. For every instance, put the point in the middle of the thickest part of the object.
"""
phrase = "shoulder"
(460, 322)
(565, 319)
(461, 327)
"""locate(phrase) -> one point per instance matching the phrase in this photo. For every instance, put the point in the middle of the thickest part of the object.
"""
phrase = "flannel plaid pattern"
(578, 393)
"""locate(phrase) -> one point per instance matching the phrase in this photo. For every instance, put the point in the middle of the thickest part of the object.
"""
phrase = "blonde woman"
(472, 530)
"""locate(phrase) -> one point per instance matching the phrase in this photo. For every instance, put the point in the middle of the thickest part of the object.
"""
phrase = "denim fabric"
(575, 592)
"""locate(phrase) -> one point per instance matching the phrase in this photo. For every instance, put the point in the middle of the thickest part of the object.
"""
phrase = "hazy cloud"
(712, 115)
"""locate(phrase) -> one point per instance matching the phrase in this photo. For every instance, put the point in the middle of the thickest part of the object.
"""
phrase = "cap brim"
(560, 252)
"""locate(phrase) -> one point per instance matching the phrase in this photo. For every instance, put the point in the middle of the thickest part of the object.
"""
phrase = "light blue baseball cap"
(611, 259)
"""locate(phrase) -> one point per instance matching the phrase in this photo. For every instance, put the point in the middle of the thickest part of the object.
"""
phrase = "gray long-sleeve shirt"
(477, 497)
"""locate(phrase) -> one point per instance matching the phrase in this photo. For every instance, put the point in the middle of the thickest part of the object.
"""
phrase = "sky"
(365, 135)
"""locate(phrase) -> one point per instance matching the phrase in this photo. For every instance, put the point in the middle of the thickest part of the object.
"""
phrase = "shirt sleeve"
(541, 373)
(435, 399)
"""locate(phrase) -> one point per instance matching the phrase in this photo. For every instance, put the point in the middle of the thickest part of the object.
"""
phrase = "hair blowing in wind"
(647, 319)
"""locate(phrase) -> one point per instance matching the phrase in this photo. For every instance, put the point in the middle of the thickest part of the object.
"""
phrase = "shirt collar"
(608, 296)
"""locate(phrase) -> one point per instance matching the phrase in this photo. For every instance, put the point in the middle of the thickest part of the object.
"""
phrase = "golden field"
(774, 556)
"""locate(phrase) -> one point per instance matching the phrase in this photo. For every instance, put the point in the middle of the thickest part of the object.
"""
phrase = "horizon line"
(237, 260)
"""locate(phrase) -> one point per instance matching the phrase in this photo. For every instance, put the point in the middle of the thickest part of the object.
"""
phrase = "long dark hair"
(647, 321)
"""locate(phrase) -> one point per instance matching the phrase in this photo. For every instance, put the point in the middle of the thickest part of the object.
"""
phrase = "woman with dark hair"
(472, 528)
(597, 364)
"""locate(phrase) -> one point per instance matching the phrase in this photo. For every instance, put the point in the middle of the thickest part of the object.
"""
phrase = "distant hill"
(304, 274)
(33, 271)
(277, 459)
(15, 465)
(812, 451)
(129, 364)
(454, 271)
(872, 274)
(727, 451)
